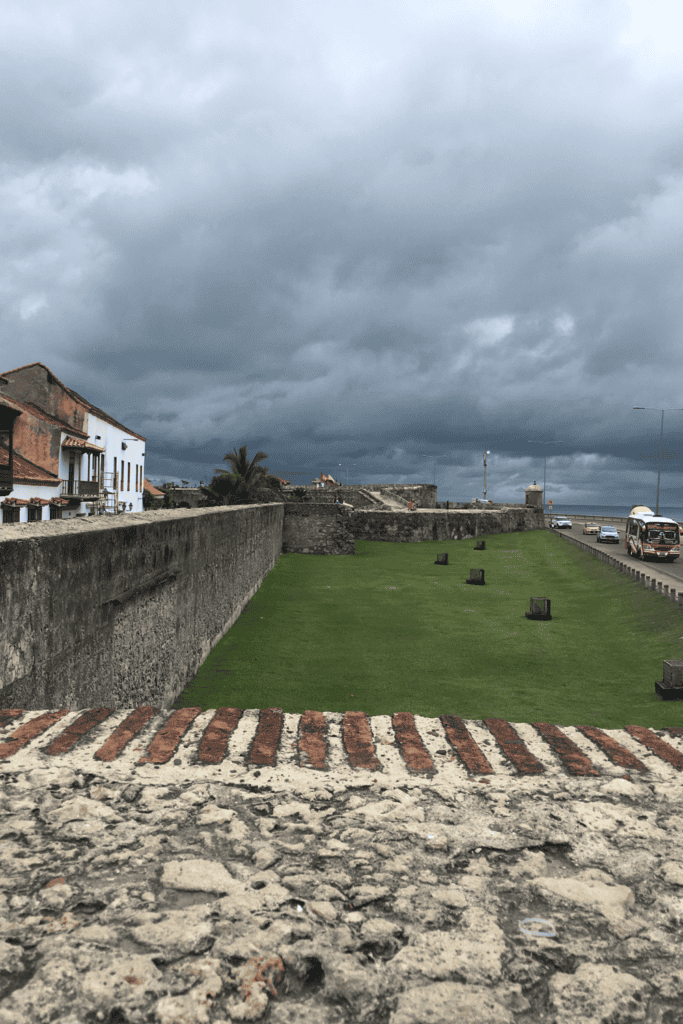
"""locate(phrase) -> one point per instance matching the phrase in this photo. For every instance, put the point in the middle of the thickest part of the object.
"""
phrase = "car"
(591, 528)
(563, 524)
(608, 534)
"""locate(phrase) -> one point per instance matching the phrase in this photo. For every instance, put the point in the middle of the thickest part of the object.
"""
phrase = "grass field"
(387, 630)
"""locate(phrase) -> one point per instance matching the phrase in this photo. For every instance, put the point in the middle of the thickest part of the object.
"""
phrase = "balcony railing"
(80, 488)
(6, 482)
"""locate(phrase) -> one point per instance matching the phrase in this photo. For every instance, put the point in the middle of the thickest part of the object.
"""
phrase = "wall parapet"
(121, 611)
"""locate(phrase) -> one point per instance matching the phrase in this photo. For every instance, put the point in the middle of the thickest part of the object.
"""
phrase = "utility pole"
(661, 435)
(544, 458)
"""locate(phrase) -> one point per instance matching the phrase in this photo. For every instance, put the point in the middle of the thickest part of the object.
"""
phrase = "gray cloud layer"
(387, 235)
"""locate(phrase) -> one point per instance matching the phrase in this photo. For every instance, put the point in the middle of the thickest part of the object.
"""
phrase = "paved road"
(670, 572)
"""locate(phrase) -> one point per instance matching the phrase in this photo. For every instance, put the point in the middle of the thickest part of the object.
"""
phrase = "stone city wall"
(454, 524)
(192, 495)
(423, 494)
(318, 528)
(357, 497)
(121, 611)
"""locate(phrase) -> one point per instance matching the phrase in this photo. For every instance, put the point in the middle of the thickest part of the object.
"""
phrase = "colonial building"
(154, 491)
(324, 481)
(61, 456)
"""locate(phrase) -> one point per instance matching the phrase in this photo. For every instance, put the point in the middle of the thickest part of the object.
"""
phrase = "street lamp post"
(529, 441)
(426, 455)
(661, 435)
(485, 454)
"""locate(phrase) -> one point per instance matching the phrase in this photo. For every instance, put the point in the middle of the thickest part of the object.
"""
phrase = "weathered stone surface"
(500, 900)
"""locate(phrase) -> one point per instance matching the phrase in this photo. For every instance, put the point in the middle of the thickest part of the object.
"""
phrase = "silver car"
(608, 535)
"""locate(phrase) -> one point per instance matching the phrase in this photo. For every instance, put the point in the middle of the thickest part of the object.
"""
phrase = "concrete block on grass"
(540, 609)
(476, 577)
(442, 559)
(671, 686)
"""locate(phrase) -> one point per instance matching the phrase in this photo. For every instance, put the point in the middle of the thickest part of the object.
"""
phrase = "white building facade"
(60, 456)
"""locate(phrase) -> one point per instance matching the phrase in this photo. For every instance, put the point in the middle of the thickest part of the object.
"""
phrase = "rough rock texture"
(501, 900)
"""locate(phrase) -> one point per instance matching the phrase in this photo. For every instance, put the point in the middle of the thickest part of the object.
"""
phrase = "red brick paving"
(312, 741)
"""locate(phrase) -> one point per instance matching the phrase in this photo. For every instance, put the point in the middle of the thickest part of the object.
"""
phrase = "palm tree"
(248, 484)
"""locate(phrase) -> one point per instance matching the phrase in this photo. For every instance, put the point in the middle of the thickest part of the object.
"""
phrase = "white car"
(562, 523)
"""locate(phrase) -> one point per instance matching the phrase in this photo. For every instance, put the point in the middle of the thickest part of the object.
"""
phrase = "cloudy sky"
(374, 238)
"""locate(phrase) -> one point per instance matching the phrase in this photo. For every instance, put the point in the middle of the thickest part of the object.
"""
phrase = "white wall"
(111, 439)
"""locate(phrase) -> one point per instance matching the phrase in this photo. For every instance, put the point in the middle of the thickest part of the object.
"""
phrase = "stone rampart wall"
(121, 611)
(454, 524)
(317, 528)
(192, 495)
(354, 496)
(423, 494)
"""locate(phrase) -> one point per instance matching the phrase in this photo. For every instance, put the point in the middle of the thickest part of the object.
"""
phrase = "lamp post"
(426, 455)
(485, 454)
(660, 442)
(529, 441)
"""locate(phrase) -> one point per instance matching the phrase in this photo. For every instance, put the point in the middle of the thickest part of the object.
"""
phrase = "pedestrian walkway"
(188, 744)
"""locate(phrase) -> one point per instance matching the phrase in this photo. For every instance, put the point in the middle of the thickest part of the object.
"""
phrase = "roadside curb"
(654, 582)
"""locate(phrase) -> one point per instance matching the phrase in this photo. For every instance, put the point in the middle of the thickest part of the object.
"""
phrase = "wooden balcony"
(82, 489)
(6, 482)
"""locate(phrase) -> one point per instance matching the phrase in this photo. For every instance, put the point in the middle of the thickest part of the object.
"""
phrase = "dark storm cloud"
(384, 235)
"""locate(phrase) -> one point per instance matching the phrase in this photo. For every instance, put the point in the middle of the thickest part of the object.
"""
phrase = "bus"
(650, 536)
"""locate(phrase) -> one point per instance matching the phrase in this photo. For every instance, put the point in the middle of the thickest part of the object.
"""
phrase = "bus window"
(663, 534)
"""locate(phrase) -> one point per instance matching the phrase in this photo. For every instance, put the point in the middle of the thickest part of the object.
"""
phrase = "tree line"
(246, 484)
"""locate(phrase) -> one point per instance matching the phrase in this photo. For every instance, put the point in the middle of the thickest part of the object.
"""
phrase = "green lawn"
(387, 630)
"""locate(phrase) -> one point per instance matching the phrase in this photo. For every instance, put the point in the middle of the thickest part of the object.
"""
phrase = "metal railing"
(80, 488)
(582, 516)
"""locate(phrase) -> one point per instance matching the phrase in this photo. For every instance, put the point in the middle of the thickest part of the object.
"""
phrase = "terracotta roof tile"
(154, 491)
(77, 442)
(21, 502)
(74, 394)
(25, 470)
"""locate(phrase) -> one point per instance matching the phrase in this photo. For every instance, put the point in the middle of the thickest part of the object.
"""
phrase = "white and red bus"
(650, 536)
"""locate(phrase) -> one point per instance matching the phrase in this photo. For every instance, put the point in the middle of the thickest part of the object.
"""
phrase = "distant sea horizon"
(670, 511)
